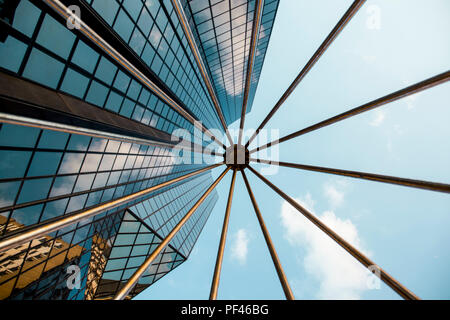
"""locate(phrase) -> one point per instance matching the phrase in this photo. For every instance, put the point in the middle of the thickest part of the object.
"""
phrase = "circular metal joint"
(237, 156)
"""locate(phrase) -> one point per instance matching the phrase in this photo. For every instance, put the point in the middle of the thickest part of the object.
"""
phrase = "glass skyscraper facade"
(58, 77)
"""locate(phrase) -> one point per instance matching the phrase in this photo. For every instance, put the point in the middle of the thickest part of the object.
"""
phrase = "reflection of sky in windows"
(61, 60)
(144, 26)
(225, 40)
(56, 173)
(135, 241)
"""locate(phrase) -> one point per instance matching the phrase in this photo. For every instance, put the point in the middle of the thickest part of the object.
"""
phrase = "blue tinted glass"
(157, 64)
(26, 17)
(106, 70)
(144, 96)
(133, 7)
(139, 250)
(13, 163)
(76, 203)
(148, 54)
(28, 215)
(34, 190)
(145, 21)
(78, 142)
(152, 6)
(127, 108)
(134, 89)
(54, 209)
(94, 198)
(63, 185)
(107, 9)
(114, 102)
(115, 275)
(56, 37)
(123, 25)
(97, 94)
(74, 83)
(122, 81)
(8, 191)
(84, 182)
(71, 163)
(44, 163)
(53, 139)
(155, 36)
(137, 41)
(137, 114)
(85, 57)
(43, 69)
(11, 54)
(18, 136)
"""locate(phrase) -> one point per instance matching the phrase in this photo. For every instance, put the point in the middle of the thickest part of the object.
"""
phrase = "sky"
(388, 45)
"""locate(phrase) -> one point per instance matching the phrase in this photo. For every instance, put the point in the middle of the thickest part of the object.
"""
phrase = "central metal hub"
(236, 156)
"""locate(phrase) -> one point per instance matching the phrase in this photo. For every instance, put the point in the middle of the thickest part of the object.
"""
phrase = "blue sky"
(403, 230)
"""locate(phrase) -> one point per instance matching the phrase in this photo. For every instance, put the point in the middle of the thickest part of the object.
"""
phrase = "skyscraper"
(91, 92)
(111, 118)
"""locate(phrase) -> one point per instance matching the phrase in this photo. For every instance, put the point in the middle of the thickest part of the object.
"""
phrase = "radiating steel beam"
(427, 185)
(223, 239)
(259, 4)
(61, 127)
(316, 56)
(276, 261)
(64, 221)
(384, 276)
(426, 84)
(63, 11)
(129, 285)
(198, 58)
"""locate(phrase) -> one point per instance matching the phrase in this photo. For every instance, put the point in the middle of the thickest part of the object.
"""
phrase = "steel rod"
(63, 11)
(316, 56)
(426, 84)
(64, 221)
(276, 261)
(223, 239)
(191, 40)
(427, 185)
(251, 59)
(384, 276)
(129, 285)
(55, 126)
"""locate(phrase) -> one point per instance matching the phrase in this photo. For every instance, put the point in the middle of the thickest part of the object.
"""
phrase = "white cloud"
(380, 115)
(369, 58)
(239, 249)
(411, 101)
(339, 274)
(335, 196)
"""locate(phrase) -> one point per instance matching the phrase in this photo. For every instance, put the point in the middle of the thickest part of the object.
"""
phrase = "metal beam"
(420, 86)
(384, 276)
(316, 56)
(62, 127)
(129, 285)
(191, 40)
(276, 261)
(64, 221)
(427, 185)
(63, 11)
(251, 59)
(223, 239)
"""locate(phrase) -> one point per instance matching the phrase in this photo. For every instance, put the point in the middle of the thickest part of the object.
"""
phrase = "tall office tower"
(93, 96)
